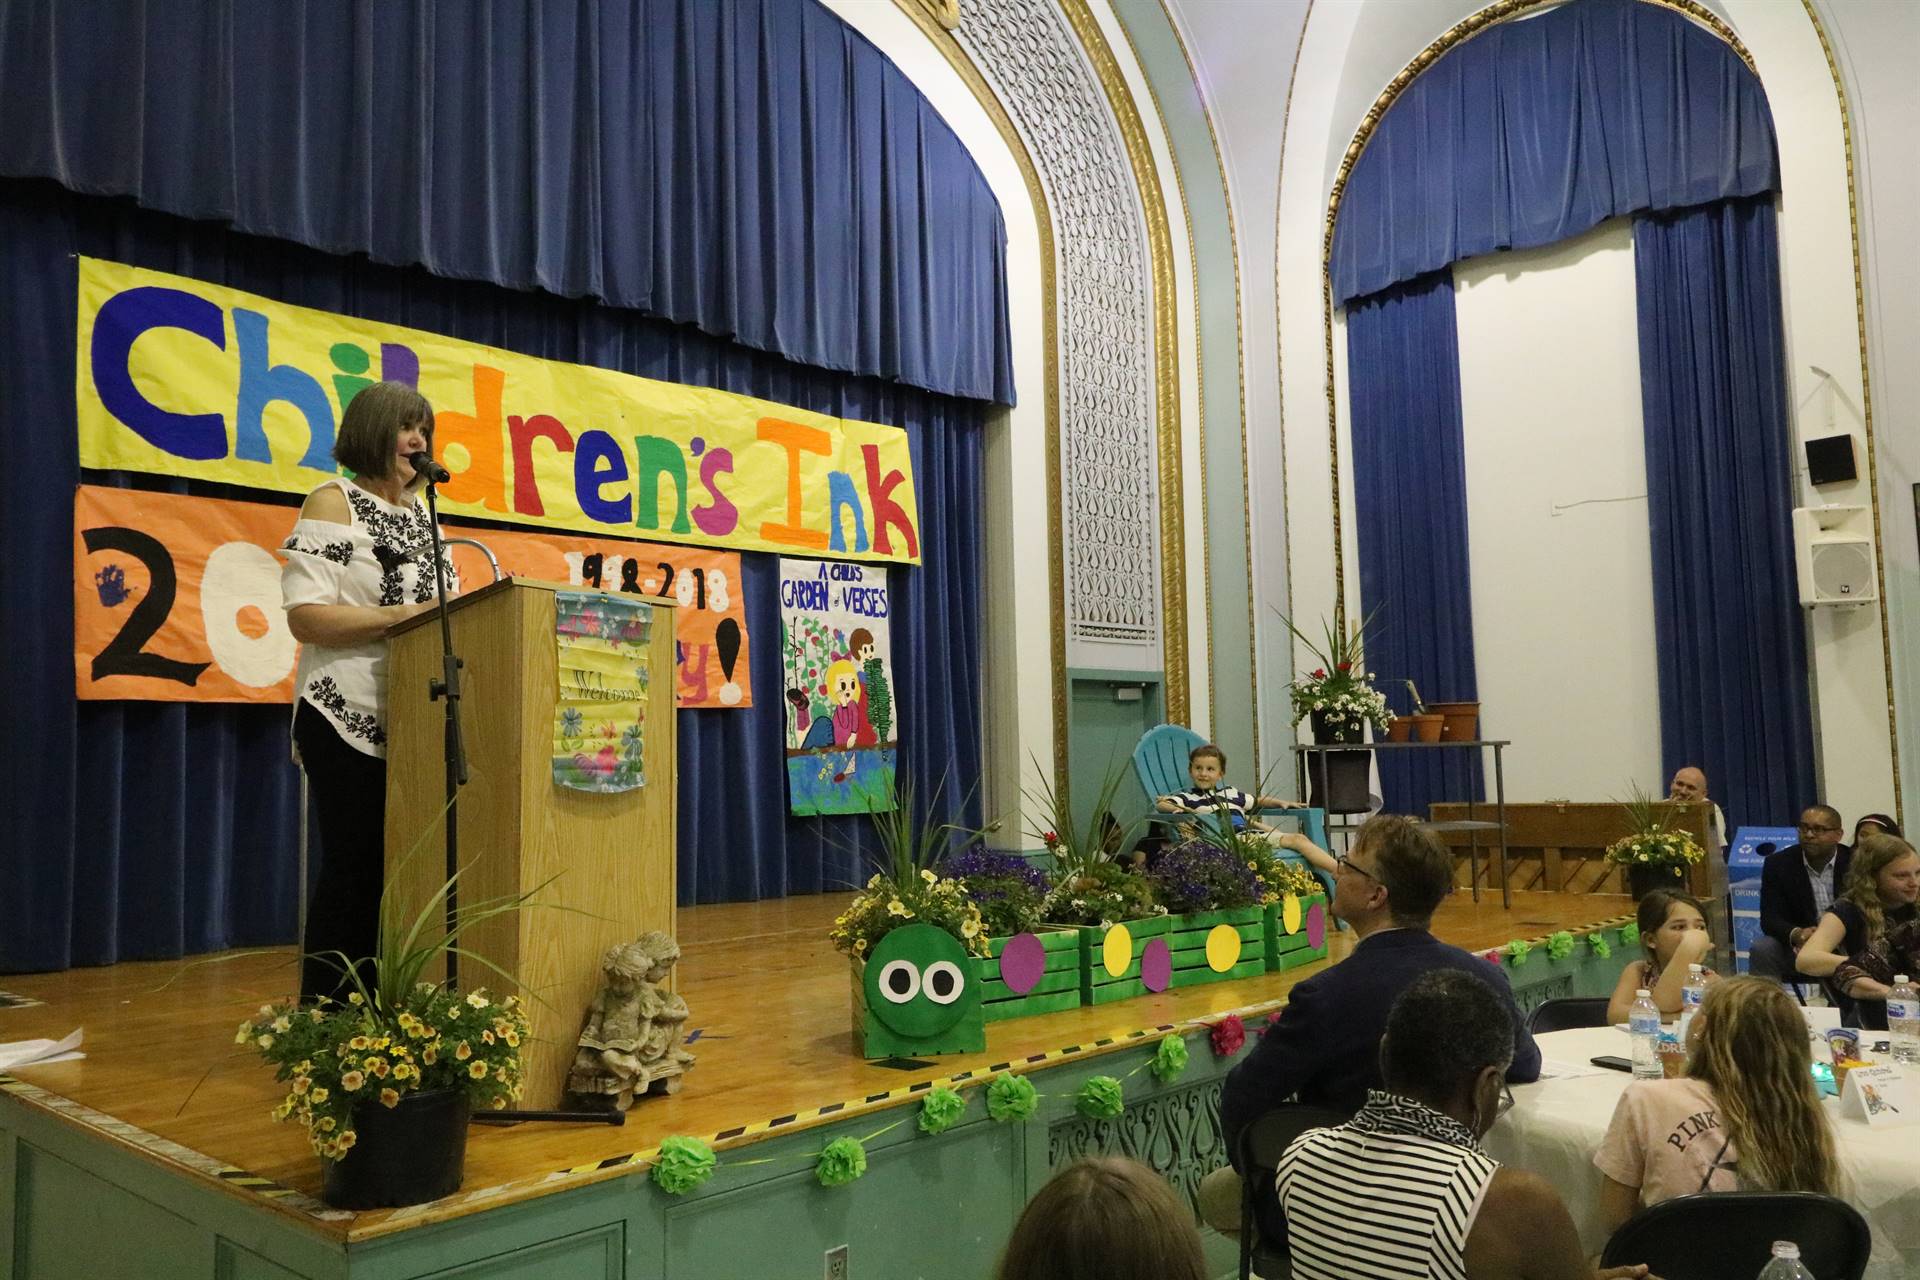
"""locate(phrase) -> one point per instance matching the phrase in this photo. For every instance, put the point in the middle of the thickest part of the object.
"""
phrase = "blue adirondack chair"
(1160, 762)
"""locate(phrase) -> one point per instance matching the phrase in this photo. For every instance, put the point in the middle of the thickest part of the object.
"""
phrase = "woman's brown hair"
(374, 419)
(1870, 857)
(1750, 1048)
(1106, 1218)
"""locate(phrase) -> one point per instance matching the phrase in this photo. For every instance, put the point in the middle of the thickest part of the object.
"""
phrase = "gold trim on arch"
(957, 58)
(1166, 356)
(1459, 33)
(1866, 392)
(1200, 361)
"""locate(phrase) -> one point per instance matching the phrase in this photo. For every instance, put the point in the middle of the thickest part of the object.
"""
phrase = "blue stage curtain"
(1727, 624)
(1410, 501)
(755, 167)
(141, 830)
(1539, 129)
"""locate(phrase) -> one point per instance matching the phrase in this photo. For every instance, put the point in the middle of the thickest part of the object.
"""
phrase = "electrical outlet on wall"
(837, 1263)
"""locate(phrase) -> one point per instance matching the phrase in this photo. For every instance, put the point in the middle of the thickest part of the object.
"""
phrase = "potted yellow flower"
(1654, 854)
(385, 1082)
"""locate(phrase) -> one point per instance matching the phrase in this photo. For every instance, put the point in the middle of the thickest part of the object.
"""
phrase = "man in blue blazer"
(1797, 883)
(1325, 1049)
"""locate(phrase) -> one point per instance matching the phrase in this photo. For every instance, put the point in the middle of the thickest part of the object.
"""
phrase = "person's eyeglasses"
(1814, 828)
(1347, 863)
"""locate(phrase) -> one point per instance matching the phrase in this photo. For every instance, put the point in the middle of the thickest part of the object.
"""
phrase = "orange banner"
(177, 598)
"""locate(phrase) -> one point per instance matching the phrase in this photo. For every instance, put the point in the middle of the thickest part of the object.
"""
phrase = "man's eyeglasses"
(1814, 828)
(1346, 863)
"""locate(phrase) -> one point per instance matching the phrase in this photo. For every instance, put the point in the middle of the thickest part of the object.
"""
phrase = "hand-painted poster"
(176, 598)
(600, 715)
(837, 657)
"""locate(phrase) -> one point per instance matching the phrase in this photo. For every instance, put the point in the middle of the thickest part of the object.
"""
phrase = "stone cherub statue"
(630, 1045)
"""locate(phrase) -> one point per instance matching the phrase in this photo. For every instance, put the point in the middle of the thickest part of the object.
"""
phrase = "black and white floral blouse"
(383, 557)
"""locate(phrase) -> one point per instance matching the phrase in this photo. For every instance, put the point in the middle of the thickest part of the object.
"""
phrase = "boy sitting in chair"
(1205, 767)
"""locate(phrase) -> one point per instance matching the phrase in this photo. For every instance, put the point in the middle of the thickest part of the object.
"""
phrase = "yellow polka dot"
(1223, 948)
(1290, 913)
(1116, 952)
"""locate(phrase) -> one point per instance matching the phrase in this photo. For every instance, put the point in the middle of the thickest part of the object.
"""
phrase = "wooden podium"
(610, 857)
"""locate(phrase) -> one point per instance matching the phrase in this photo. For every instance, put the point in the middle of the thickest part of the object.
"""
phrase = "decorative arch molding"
(1466, 29)
(1114, 355)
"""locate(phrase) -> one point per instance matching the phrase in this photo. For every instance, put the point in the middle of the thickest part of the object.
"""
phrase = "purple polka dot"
(697, 446)
(1316, 926)
(1156, 966)
(1022, 963)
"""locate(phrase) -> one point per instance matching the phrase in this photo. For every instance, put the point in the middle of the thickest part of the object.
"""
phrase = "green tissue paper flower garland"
(841, 1161)
(1601, 947)
(940, 1110)
(1517, 952)
(1100, 1098)
(1169, 1060)
(1629, 934)
(1012, 1097)
(1559, 945)
(682, 1165)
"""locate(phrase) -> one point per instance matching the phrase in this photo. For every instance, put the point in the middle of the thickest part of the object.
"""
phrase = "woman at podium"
(358, 561)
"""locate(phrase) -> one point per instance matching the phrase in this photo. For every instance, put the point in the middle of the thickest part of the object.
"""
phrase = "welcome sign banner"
(178, 377)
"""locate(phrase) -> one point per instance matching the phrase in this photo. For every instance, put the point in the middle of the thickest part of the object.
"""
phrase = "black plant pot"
(1328, 728)
(1643, 879)
(407, 1154)
(1347, 775)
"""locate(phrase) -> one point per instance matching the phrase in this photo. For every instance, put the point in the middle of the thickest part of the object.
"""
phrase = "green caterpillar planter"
(919, 992)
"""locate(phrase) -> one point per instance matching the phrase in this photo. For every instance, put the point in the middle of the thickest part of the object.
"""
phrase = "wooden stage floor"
(769, 999)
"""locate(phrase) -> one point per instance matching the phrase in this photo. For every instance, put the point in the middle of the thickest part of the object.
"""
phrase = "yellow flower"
(389, 1098)
(478, 1070)
(360, 1043)
(378, 1066)
(859, 945)
(352, 1080)
(244, 1034)
(513, 1039)
(477, 1000)
(354, 997)
(928, 876)
(282, 1111)
(320, 1095)
(264, 1041)
(463, 1052)
(499, 1104)
(405, 1071)
(486, 1037)
(969, 927)
(431, 1054)
(346, 1140)
(325, 1124)
(898, 908)
(301, 1084)
(266, 1011)
(314, 1015)
(282, 1024)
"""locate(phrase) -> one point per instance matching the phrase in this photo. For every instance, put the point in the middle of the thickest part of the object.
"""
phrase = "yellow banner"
(179, 377)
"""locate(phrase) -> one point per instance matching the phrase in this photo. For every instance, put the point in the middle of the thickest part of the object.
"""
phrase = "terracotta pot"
(1400, 729)
(1427, 728)
(1462, 720)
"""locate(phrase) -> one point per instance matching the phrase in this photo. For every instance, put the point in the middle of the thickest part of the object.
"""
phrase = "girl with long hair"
(1673, 935)
(1745, 1117)
(1106, 1218)
(1871, 933)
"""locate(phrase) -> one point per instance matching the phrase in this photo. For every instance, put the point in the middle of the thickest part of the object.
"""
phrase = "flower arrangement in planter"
(920, 992)
(1338, 694)
(1121, 928)
(1029, 968)
(1653, 853)
(385, 1082)
(1226, 881)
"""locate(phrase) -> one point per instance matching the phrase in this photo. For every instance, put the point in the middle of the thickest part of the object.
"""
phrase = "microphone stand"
(448, 687)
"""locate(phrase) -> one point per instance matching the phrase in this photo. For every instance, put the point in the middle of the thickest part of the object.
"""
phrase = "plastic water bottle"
(1785, 1264)
(1903, 1020)
(1643, 1023)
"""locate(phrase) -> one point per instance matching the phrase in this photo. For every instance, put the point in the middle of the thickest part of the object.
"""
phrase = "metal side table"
(1473, 826)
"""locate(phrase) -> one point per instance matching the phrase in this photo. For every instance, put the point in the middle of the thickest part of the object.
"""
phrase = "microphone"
(426, 467)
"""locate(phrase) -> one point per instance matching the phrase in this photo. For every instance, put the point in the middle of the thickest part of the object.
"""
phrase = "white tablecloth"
(1556, 1126)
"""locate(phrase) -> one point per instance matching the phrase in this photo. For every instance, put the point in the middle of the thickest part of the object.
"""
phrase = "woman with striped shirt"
(1403, 1190)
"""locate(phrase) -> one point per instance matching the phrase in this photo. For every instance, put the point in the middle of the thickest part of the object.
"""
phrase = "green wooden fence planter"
(1305, 942)
(1214, 946)
(1119, 962)
(1057, 989)
(918, 992)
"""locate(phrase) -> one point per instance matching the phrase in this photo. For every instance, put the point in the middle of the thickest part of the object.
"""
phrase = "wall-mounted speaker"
(1833, 552)
(1830, 460)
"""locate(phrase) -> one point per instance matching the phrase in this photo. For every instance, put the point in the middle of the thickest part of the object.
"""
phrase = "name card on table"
(1878, 1095)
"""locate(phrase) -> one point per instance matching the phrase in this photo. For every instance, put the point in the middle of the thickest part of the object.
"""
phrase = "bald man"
(1689, 785)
